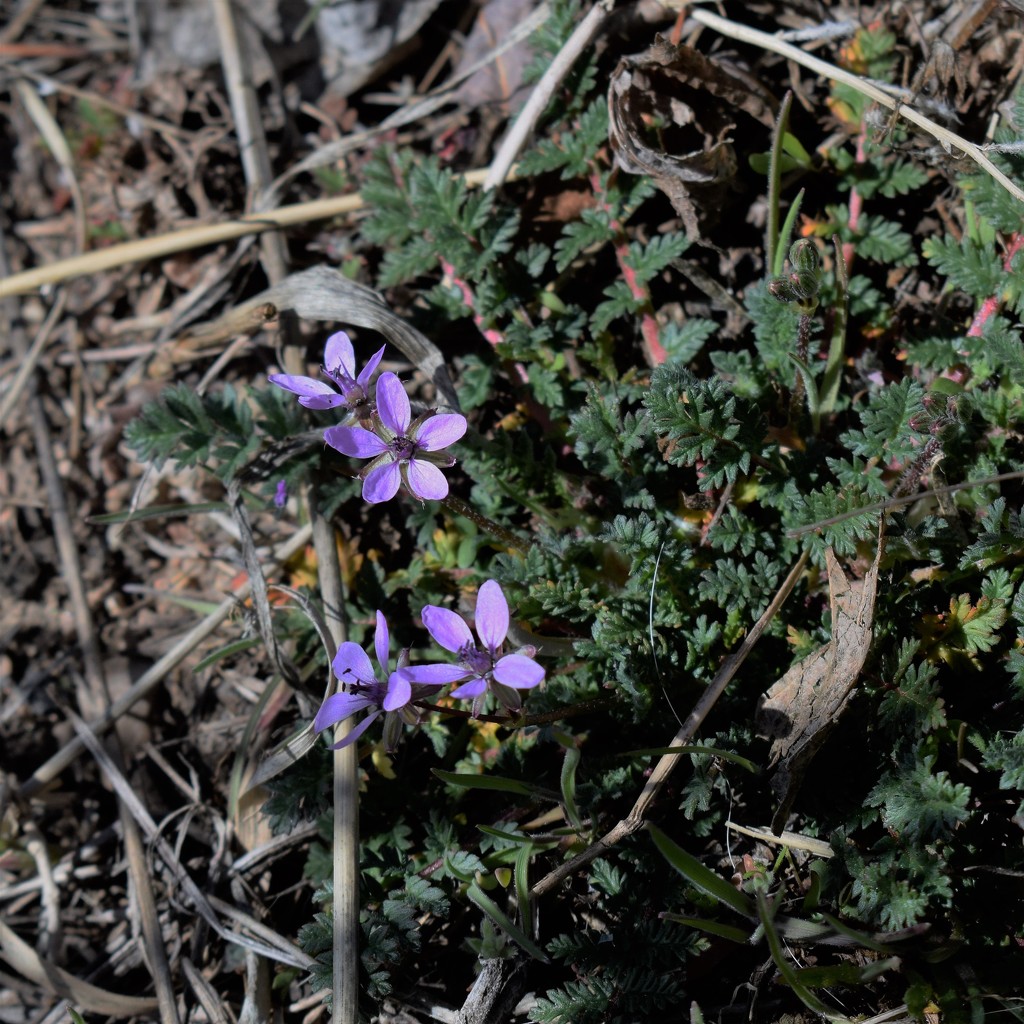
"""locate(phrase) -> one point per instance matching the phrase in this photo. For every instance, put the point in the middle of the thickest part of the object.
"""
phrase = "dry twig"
(172, 242)
(734, 30)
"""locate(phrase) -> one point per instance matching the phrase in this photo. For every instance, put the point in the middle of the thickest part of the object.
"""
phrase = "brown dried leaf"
(801, 708)
(500, 80)
(691, 158)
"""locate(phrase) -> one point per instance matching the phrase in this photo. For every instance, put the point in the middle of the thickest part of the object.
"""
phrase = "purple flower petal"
(380, 643)
(355, 441)
(351, 660)
(426, 481)
(474, 688)
(339, 356)
(399, 692)
(363, 380)
(324, 402)
(300, 385)
(381, 484)
(337, 708)
(435, 675)
(393, 404)
(314, 394)
(440, 431)
(491, 615)
(446, 627)
(356, 732)
(517, 671)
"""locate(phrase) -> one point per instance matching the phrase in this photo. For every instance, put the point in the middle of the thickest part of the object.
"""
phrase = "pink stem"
(856, 205)
(654, 351)
(991, 304)
(494, 337)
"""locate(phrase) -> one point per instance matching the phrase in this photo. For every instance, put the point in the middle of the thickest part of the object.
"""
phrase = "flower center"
(403, 448)
(348, 386)
(480, 662)
(375, 691)
(355, 396)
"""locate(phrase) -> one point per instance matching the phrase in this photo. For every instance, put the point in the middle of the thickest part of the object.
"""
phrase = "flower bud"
(803, 256)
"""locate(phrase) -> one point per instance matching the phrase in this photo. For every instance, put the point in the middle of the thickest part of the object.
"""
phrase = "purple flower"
(340, 366)
(402, 449)
(364, 692)
(281, 494)
(482, 665)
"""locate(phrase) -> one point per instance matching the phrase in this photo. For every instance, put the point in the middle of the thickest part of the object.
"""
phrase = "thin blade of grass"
(481, 900)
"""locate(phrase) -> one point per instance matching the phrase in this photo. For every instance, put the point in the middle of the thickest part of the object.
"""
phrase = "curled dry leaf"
(799, 710)
(655, 129)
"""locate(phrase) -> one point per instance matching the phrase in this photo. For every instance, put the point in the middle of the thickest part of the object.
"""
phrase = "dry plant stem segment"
(635, 819)
(52, 933)
(252, 143)
(58, 982)
(147, 682)
(906, 499)
(542, 92)
(61, 151)
(734, 30)
(31, 358)
(20, 20)
(188, 238)
(345, 851)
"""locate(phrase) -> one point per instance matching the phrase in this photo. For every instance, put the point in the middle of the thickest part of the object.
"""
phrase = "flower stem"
(460, 508)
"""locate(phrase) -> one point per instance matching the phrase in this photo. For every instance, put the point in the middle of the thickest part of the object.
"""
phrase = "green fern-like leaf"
(886, 424)
(732, 584)
(593, 228)
(879, 174)
(576, 1002)
(701, 421)
(684, 342)
(973, 268)
(885, 241)
(648, 260)
(572, 151)
(920, 804)
(191, 429)
(911, 705)
(819, 507)
(620, 302)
